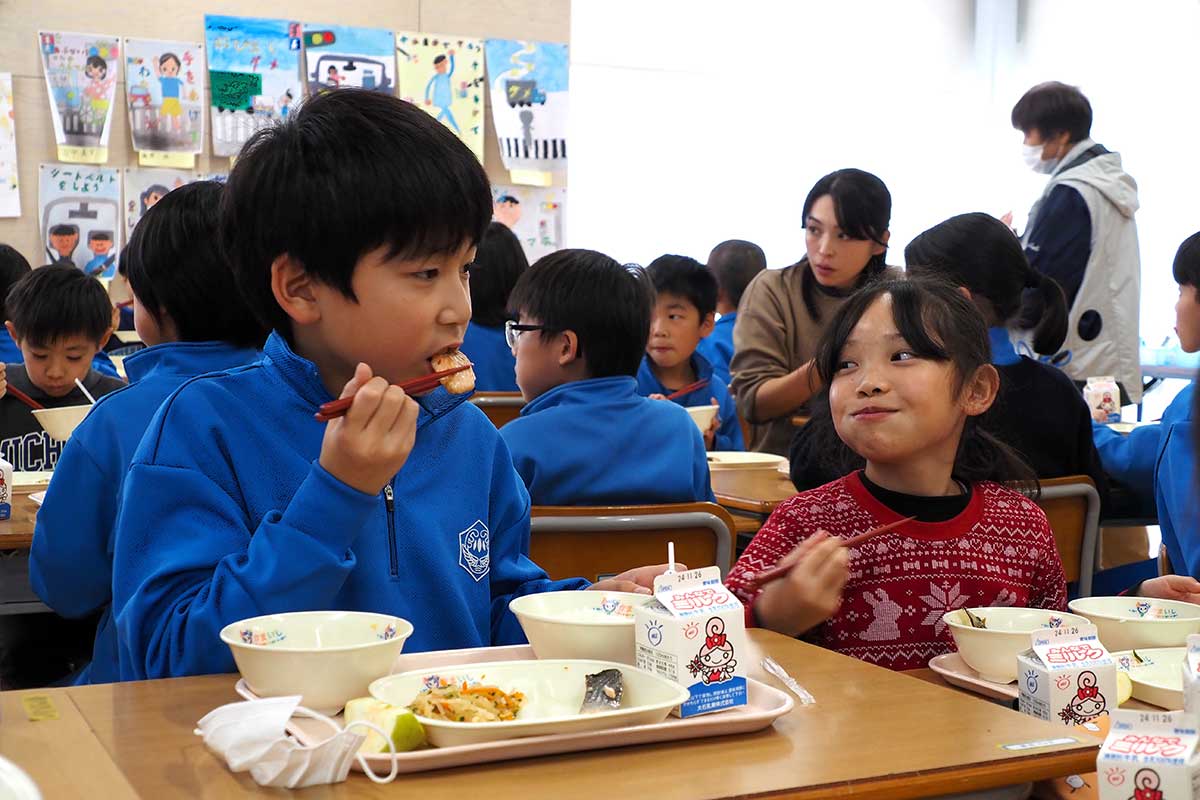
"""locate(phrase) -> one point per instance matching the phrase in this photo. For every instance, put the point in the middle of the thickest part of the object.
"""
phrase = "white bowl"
(553, 692)
(735, 459)
(992, 651)
(593, 625)
(702, 416)
(327, 657)
(60, 422)
(1127, 623)
(1158, 678)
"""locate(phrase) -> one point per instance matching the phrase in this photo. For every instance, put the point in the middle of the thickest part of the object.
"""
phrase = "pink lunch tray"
(765, 705)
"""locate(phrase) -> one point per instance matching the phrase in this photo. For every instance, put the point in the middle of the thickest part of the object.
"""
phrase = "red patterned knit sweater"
(998, 552)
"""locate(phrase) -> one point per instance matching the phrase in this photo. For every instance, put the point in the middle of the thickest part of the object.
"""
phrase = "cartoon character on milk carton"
(715, 663)
(1068, 675)
(1087, 704)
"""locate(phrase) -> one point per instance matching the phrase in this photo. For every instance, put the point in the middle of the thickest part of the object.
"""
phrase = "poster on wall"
(145, 187)
(82, 71)
(444, 76)
(339, 57)
(164, 87)
(80, 216)
(253, 74)
(529, 106)
(10, 193)
(536, 215)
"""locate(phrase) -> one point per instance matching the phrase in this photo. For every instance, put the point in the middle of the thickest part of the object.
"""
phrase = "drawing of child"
(167, 70)
(103, 259)
(152, 194)
(96, 71)
(64, 239)
(439, 93)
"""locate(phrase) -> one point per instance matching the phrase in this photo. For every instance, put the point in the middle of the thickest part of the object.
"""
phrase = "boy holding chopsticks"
(351, 229)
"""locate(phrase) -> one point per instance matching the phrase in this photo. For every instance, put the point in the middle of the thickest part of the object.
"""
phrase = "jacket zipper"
(389, 502)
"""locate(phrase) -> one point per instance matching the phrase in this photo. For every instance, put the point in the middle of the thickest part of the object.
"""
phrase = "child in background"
(13, 267)
(1038, 410)
(907, 366)
(734, 264)
(686, 297)
(499, 262)
(191, 317)
(239, 503)
(59, 319)
(585, 435)
(784, 311)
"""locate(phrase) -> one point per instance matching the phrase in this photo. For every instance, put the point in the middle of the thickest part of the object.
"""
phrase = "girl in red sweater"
(909, 372)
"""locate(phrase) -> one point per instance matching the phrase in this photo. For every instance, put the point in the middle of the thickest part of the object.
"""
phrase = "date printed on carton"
(1066, 676)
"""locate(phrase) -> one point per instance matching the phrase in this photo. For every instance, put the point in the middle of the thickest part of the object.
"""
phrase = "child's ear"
(568, 347)
(293, 289)
(965, 292)
(980, 392)
(706, 324)
(12, 332)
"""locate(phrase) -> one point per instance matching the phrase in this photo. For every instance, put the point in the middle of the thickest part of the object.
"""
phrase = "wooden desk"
(755, 490)
(16, 532)
(872, 733)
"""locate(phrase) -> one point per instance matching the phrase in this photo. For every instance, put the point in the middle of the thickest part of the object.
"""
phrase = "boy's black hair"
(499, 262)
(939, 323)
(980, 252)
(97, 61)
(607, 305)
(64, 229)
(1186, 268)
(165, 57)
(438, 59)
(863, 206)
(56, 301)
(13, 267)
(350, 172)
(734, 264)
(175, 267)
(687, 278)
(1051, 108)
(99, 235)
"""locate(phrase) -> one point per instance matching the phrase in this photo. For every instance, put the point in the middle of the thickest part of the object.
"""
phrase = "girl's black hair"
(165, 57)
(940, 324)
(499, 262)
(1186, 268)
(979, 252)
(98, 63)
(863, 206)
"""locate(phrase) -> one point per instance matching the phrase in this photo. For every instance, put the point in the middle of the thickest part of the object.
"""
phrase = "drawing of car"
(365, 73)
(139, 95)
(523, 93)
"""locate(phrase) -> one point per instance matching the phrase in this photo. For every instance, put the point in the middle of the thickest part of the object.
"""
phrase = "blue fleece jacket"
(495, 364)
(70, 564)
(717, 347)
(227, 514)
(1160, 460)
(729, 430)
(598, 442)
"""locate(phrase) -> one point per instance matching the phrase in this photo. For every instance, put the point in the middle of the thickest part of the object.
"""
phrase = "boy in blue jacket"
(734, 264)
(351, 228)
(585, 435)
(187, 309)
(684, 306)
(1159, 460)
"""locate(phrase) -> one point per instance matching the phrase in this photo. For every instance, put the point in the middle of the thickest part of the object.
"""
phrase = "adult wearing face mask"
(1081, 233)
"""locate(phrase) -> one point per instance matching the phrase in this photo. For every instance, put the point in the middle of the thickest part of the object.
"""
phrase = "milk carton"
(694, 632)
(1149, 756)
(1103, 398)
(1191, 676)
(1067, 676)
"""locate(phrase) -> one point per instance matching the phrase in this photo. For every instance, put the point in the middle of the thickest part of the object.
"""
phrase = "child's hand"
(3, 380)
(1184, 588)
(810, 592)
(710, 435)
(639, 580)
(368, 446)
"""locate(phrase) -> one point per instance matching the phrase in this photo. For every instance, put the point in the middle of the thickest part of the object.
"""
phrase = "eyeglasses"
(513, 331)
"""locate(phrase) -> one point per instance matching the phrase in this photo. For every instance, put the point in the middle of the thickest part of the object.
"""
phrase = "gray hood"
(1105, 174)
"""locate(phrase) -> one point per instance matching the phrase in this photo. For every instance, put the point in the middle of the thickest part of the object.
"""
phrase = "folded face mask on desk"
(251, 735)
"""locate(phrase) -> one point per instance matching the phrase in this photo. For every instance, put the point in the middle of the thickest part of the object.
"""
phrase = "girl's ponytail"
(1051, 330)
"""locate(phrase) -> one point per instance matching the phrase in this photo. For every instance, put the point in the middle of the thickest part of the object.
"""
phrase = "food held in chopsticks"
(425, 383)
(458, 383)
(602, 691)
(459, 701)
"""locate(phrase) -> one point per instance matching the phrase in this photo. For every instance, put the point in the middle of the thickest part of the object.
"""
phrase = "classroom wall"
(20, 20)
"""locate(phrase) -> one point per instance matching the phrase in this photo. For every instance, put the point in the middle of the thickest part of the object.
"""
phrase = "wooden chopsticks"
(24, 398)
(778, 571)
(338, 408)
(691, 387)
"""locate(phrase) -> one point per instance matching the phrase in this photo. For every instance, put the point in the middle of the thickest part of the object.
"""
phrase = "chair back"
(501, 407)
(1072, 507)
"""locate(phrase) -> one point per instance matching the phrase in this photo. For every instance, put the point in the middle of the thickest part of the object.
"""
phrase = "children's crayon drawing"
(81, 216)
(254, 76)
(339, 57)
(444, 76)
(10, 194)
(82, 71)
(537, 216)
(164, 86)
(529, 103)
(145, 187)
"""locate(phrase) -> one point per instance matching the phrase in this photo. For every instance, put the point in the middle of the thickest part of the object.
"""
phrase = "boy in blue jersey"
(188, 311)
(734, 264)
(585, 435)
(350, 228)
(685, 302)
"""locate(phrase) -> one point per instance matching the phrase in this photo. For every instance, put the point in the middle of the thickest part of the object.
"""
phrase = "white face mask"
(251, 735)
(1032, 153)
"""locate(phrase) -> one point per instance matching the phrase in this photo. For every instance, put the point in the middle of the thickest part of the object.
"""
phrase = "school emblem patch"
(474, 550)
